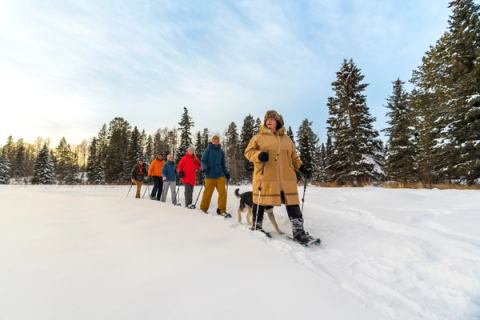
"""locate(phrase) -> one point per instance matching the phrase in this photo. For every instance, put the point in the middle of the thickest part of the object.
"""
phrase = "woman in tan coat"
(274, 180)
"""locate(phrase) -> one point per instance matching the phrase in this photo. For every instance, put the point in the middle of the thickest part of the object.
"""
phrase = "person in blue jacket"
(216, 176)
(169, 174)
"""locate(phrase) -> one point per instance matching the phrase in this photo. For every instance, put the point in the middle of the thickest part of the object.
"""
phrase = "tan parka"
(279, 171)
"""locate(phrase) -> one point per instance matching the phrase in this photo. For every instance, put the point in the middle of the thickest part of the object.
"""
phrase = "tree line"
(433, 130)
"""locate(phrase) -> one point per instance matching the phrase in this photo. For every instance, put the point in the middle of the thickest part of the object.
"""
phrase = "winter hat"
(274, 115)
(140, 159)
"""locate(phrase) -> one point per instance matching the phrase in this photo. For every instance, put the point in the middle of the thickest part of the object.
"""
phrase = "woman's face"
(271, 124)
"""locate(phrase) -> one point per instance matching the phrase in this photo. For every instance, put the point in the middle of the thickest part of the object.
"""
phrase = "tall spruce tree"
(463, 129)
(232, 149)
(63, 159)
(306, 145)
(134, 151)
(185, 127)
(256, 128)
(321, 173)
(116, 155)
(158, 143)
(149, 155)
(205, 138)
(44, 172)
(400, 159)
(357, 152)
(9, 152)
(4, 168)
(19, 164)
(247, 132)
(290, 134)
(102, 147)
(95, 172)
(73, 173)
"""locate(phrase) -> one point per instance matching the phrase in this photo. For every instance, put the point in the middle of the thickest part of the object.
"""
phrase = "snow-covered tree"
(357, 152)
(290, 134)
(400, 159)
(247, 132)
(306, 145)
(185, 126)
(4, 169)
(95, 172)
(116, 155)
(44, 172)
(149, 155)
(232, 153)
(134, 150)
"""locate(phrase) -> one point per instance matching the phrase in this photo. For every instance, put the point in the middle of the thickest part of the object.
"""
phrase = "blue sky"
(67, 67)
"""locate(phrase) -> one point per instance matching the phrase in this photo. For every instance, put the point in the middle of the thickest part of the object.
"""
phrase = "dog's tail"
(237, 192)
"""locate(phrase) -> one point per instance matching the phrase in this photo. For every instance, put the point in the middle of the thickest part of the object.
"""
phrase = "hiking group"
(275, 161)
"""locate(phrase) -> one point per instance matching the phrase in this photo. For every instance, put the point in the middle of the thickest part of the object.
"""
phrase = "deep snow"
(90, 253)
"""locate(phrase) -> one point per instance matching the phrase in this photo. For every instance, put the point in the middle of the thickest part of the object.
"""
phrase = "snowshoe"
(305, 239)
(224, 214)
(267, 234)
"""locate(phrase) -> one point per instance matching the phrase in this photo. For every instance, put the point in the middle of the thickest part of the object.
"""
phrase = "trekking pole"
(177, 197)
(198, 196)
(304, 190)
(259, 193)
(131, 185)
(145, 191)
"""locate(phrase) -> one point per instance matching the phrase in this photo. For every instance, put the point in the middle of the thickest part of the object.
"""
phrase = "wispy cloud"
(82, 63)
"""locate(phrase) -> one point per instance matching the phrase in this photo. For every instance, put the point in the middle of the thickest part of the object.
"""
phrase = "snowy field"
(90, 253)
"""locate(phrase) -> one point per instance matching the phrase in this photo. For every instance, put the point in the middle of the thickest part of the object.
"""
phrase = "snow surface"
(69, 252)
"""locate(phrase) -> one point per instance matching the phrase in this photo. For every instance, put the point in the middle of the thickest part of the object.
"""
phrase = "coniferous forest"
(433, 133)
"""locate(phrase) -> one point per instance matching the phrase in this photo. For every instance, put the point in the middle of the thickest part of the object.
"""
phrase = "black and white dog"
(246, 204)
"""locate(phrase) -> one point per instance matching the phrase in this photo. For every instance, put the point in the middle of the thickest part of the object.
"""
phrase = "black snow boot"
(299, 233)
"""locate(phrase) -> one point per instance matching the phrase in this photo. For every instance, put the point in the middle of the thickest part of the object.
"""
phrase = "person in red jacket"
(187, 169)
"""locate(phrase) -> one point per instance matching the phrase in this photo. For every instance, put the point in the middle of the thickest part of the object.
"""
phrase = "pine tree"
(116, 155)
(185, 127)
(63, 160)
(233, 154)
(357, 153)
(321, 173)
(198, 143)
(4, 168)
(44, 172)
(102, 147)
(248, 131)
(463, 129)
(400, 160)
(290, 134)
(134, 151)
(95, 172)
(20, 159)
(158, 143)
(256, 128)
(149, 155)
(9, 152)
(73, 173)
(306, 145)
(205, 138)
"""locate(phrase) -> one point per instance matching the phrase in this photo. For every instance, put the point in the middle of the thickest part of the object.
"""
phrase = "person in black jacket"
(139, 171)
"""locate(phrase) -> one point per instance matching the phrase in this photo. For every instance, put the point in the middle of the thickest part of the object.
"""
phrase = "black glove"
(227, 176)
(305, 172)
(181, 174)
(263, 156)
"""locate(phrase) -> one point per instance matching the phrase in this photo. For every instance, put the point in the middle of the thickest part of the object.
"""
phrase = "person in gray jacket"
(169, 174)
